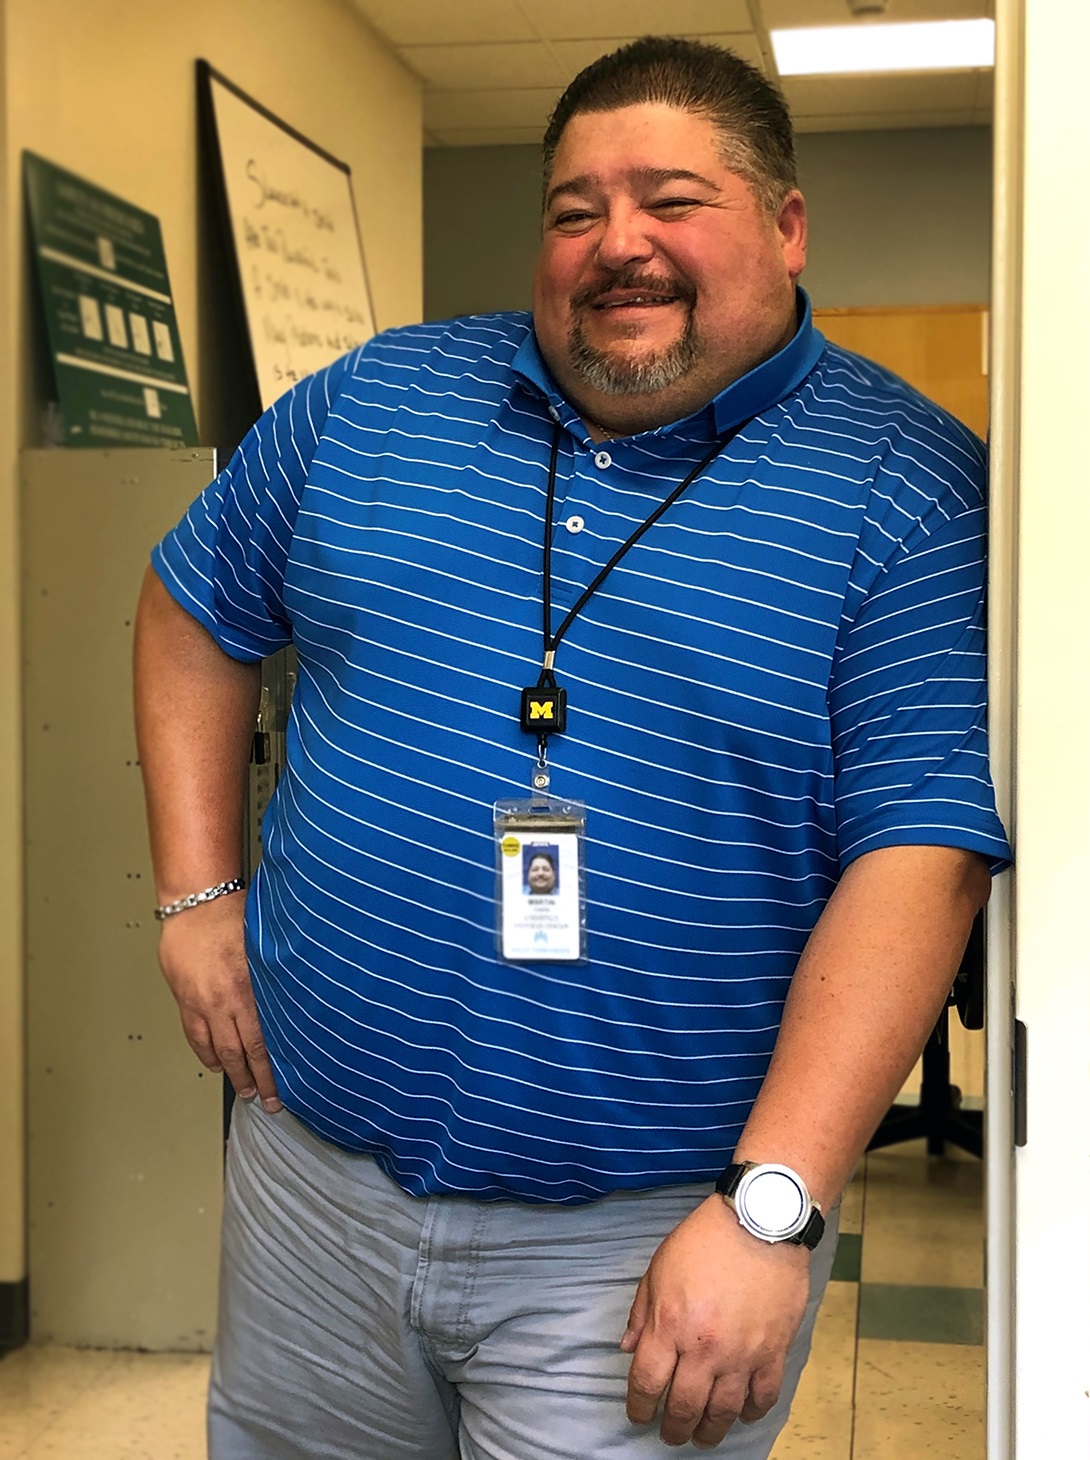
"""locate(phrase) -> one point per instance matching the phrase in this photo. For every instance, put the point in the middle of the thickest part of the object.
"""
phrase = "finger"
(257, 1057)
(232, 1056)
(686, 1405)
(725, 1404)
(648, 1378)
(764, 1390)
(637, 1317)
(200, 1041)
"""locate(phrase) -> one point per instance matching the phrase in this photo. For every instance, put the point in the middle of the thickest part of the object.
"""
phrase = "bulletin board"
(290, 214)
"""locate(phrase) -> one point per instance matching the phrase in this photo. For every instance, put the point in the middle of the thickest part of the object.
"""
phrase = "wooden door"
(941, 350)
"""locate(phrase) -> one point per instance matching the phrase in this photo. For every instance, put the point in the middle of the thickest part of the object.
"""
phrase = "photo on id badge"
(540, 897)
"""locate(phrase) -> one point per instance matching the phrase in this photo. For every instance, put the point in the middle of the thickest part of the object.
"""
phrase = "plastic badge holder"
(541, 909)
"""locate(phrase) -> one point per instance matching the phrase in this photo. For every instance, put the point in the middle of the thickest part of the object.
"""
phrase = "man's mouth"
(626, 301)
(633, 293)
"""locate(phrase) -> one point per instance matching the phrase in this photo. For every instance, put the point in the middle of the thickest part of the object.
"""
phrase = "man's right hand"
(202, 953)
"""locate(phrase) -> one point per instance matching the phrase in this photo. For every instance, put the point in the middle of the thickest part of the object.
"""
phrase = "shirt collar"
(763, 386)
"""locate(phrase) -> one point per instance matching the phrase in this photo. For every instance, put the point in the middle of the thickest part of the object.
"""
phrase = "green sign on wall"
(117, 355)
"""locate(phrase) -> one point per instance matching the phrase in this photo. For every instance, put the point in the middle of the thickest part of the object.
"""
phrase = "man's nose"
(625, 239)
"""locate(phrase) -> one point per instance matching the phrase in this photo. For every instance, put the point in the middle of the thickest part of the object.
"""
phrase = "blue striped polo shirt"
(786, 672)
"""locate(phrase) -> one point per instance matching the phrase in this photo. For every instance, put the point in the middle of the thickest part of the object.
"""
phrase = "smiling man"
(662, 551)
(658, 284)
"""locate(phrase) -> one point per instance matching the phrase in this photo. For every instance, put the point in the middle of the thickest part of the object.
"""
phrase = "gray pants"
(359, 1323)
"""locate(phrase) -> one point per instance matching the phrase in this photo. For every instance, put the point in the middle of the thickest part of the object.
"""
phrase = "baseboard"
(14, 1315)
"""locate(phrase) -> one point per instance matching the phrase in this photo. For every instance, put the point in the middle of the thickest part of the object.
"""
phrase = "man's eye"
(674, 205)
(572, 218)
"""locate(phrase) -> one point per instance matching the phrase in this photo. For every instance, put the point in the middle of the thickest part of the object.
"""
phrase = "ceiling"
(493, 69)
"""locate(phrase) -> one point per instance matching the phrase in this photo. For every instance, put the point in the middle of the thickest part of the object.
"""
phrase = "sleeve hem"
(968, 839)
(240, 648)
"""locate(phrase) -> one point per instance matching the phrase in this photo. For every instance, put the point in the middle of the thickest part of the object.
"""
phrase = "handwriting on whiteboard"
(297, 245)
(295, 279)
(300, 287)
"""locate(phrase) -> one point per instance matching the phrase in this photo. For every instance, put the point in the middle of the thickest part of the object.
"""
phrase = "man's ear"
(791, 226)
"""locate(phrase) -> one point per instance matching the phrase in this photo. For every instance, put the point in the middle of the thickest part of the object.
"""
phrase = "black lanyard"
(544, 705)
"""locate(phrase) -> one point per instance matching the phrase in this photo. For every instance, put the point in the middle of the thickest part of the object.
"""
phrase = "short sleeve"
(908, 704)
(225, 561)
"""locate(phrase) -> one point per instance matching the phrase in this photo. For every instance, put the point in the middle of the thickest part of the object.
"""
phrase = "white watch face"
(772, 1203)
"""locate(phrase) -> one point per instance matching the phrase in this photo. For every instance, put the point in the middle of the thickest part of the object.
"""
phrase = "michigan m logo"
(543, 711)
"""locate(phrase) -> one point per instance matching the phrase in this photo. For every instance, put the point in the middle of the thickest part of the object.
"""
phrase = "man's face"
(540, 877)
(661, 280)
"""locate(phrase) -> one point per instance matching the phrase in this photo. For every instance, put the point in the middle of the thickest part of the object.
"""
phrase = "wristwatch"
(771, 1202)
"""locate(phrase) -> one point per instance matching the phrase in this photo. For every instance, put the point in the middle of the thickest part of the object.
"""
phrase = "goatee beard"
(644, 376)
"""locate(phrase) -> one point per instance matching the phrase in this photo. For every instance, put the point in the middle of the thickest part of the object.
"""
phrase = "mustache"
(642, 283)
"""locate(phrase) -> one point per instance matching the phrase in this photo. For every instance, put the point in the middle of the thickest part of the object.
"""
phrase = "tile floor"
(897, 1370)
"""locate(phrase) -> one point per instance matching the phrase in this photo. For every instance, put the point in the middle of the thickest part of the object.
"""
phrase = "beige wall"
(107, 89)
(12, 1165)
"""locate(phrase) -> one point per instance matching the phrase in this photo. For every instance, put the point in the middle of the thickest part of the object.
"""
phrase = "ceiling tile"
(487, 136)
(747, 46)
(787, 14)
(444, 110)
(485, 66)
(488, 79)
(572, 20)
(821, 96)
(437, 22)
(884, 121)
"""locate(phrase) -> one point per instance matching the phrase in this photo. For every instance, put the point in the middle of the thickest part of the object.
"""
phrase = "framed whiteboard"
(291, 217)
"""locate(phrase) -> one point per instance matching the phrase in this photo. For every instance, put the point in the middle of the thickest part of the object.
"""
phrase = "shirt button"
(575, 523)
(603, 460)
(554, 413)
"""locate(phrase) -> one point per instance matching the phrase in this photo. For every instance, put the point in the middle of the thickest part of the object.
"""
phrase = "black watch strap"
(727, 1181)
(811, 1234)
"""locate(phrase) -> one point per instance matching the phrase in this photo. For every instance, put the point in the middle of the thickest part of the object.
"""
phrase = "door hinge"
(1018, 1081)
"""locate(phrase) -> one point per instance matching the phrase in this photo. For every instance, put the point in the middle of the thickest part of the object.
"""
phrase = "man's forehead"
(653, 136)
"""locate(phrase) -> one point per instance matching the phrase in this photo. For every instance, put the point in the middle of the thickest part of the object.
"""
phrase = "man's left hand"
(714, 1317)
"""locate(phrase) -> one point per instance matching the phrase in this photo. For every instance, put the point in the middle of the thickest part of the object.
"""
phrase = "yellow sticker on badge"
(510, 846)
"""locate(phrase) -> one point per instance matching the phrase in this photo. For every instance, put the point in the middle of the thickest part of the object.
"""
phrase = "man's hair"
(754, 125)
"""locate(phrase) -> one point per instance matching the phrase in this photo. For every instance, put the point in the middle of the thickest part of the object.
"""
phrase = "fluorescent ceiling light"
(940, 45)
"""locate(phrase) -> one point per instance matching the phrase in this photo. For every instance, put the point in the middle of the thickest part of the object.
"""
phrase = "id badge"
(540, 880)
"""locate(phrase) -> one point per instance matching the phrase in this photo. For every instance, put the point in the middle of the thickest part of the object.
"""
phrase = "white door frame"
(1005, 320)
(1038, 1268)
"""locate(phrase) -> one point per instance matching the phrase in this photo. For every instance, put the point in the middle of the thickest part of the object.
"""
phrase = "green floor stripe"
(921, 1315)
(849, 1258)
